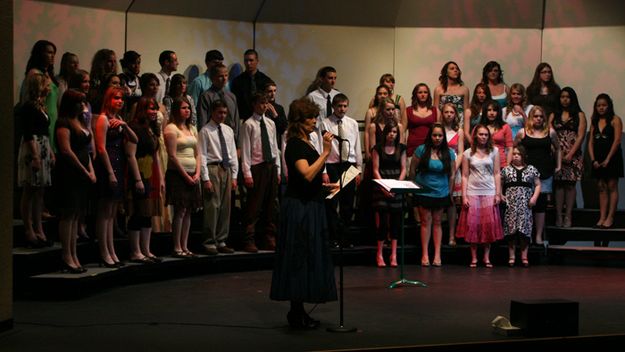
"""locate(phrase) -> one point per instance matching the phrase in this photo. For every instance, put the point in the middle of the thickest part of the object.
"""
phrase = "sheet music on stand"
(348, 176)
(397, 186)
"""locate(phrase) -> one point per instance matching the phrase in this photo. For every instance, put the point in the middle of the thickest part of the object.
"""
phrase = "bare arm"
(497, 175)
(402, 174)
(101, 128)
(555, 143)
(534, 197)
(465, 179)
(403, 120)
(618, 130)
(375, 160)
(131, 151)
(581, 134)
(591, 145)
(467, 126)
(367, 142)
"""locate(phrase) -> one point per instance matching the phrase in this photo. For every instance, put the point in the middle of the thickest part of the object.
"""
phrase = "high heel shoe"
(102, 263)
(66, 268)
(34, 244)
(511, 262)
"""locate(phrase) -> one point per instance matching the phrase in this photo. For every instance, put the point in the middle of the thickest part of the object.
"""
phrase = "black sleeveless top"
(539, 154)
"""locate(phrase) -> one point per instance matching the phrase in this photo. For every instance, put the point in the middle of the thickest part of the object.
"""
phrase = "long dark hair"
(175, 87)
(376, 102)
(533, 89)
(38, 61)
(72, 105)
(498, 122)
(316, 83)
(444, 79)
(609, 114)
(141, 114)
(476, 106)
(487, 68)
(387, 129)
(415, 101)
(175, 110)
(574, 109)
(443, 151)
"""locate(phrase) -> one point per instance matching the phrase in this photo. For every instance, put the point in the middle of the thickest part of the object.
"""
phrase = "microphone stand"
(341, 327)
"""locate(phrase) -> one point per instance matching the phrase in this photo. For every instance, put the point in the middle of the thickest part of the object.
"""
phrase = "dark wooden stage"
(232, 312)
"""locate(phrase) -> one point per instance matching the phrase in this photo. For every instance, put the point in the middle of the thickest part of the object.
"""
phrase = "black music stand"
(402, 188)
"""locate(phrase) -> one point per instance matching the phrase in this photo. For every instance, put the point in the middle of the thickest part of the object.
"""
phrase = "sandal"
(488, 264)
(425, 263)
(473, 264)
(525, 262)
(178, 254)
(189, 254)
(511, 262)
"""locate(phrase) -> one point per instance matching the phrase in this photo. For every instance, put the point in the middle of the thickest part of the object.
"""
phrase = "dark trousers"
(340, 209)
(261, 201)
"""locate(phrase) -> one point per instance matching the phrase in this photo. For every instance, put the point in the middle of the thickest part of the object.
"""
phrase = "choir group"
(162, 148)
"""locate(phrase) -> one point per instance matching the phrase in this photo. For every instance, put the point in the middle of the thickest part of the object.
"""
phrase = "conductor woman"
(303, 272)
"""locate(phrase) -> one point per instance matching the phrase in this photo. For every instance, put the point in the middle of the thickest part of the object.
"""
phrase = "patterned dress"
(567, 134)
(518, 187)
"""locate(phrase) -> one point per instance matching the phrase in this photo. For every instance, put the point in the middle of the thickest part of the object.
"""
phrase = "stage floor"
(232, 311)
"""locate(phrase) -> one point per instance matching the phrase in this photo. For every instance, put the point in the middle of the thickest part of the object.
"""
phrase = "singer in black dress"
(303, 271)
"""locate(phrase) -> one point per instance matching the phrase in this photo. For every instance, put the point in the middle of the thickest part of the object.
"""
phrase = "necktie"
(225, 159)
(228, 119)
(253, 85)
(264, 138)
(328, 106)
(343, 143)
(167, 86)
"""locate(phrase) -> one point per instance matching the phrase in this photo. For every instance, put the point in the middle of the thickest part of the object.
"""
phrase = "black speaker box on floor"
(545, 317)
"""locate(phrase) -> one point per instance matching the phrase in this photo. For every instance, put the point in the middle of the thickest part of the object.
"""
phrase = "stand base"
(341, 328)
(407, 282)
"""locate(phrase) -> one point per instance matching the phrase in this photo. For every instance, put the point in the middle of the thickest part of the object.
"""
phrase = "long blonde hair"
(529, 124)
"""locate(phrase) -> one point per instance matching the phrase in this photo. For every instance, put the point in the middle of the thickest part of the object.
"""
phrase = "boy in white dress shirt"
(349, 154)
(218, 172)
(260, 163)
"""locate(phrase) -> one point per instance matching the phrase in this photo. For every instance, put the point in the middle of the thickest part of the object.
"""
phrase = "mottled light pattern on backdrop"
(292, 55)
(80, 30)
(422, 52)
(190, 38)
(589, 59)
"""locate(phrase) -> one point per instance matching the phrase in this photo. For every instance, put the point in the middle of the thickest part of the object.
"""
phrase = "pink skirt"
(480, 223)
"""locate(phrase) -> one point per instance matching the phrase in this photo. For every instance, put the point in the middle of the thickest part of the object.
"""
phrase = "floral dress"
(518, 185)
(567, 134)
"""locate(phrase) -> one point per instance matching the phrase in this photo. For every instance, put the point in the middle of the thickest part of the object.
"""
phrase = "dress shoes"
(301, 320)
(225, 250)
(250, 248)
(211, 250)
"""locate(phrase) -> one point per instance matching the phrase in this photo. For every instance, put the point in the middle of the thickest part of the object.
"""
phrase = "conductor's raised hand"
(327, 142)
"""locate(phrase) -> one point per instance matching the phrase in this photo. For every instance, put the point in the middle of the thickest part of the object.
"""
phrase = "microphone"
(335, 136)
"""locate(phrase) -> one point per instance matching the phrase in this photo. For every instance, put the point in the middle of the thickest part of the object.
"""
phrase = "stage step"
(561, 235)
